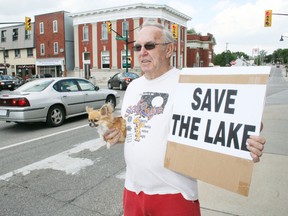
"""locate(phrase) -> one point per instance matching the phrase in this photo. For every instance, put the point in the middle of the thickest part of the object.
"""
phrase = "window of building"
(15, 34)
(174, 59)
(85, 33)
(17, 53)
(105, 59)
(29, 52)
(27, 34)
(41, 27)
(55, 26)
(125, 29)
(6, 53)
(55, 47)
(104, 32)
(42, 49)
(3, 36)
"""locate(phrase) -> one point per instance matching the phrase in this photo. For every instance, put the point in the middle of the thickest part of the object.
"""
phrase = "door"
(72, 96)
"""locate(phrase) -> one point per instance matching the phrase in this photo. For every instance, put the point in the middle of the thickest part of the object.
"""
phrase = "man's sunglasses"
(147, 46)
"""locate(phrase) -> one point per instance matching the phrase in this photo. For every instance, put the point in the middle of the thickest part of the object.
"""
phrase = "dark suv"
(6, 83)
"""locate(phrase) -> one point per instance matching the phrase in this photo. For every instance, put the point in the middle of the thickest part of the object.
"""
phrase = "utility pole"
(226, 54)
(126, 41)
(4, 57)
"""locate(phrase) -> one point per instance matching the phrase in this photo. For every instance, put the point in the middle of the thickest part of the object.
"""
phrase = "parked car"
(121, 80)
(52, 100)
(38, 76)
(17, 80)
(6, 82)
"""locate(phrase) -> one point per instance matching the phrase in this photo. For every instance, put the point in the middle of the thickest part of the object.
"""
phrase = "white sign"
(216, 109)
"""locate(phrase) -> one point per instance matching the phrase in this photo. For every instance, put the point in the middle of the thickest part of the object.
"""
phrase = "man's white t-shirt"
(147, 107)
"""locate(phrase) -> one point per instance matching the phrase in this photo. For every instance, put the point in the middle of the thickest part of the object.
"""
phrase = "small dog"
(103, 119)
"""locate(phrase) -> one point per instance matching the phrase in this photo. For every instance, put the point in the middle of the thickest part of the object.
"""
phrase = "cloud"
(242, 25)
(183, 6)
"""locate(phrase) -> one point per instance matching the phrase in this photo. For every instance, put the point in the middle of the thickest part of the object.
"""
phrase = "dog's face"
(100, 116)
(104, 120)
(93, 117)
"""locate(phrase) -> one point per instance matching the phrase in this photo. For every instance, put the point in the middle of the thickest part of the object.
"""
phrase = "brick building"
(54, 43)
(79, 44)
(200, 50)
(101, 54)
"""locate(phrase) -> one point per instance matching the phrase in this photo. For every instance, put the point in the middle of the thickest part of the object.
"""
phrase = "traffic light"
(109, 26)
(27, 23)
(175, 31)
(268, 18)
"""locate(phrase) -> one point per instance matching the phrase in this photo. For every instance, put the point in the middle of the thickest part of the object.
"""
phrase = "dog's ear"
(104, 110)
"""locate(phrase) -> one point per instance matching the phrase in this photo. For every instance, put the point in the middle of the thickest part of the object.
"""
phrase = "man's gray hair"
(168, 38)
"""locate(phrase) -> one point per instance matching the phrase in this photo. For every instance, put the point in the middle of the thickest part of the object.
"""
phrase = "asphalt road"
(59, 171)
(68, 170)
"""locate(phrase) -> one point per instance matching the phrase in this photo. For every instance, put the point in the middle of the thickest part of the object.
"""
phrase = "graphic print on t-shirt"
(149, 105)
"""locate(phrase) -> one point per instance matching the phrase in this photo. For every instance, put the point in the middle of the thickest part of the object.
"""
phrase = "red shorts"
(158, 205)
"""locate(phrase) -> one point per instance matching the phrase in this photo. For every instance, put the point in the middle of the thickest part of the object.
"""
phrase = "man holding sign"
(148, 108)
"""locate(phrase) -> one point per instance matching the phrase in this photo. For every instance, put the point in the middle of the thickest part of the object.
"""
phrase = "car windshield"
(5, 77)
(35, 86)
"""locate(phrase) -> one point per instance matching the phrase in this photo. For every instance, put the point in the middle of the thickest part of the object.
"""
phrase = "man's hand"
(256, 147)
(112, 136)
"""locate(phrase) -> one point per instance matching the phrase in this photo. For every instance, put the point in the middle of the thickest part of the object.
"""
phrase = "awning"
(50, 62)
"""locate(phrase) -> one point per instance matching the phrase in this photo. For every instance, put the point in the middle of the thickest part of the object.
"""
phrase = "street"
(68, 170)
(65, 170)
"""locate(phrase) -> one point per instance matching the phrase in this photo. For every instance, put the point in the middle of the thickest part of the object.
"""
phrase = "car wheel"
(55, 116)
(109, 86)
(110, 99)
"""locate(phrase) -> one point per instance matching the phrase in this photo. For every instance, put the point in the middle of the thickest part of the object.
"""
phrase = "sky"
(237, 25)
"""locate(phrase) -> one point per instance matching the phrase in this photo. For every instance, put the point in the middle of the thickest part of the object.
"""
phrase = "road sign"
(120, 38)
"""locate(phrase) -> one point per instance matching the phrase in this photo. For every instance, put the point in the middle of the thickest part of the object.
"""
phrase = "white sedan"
(52, 100)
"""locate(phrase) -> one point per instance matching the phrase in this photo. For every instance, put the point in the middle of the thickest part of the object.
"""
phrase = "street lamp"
(281, 39)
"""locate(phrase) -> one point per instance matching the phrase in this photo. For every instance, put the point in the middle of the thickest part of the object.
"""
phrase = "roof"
(132, 6)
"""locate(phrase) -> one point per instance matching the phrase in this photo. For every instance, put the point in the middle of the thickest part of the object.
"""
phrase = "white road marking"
(42, 137)
(121, 175)
(62, 161)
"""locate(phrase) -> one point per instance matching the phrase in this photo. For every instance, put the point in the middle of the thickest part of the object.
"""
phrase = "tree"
(280, 56)
(191, 31)
(261, 58)
(240, 54)
(224, 58)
